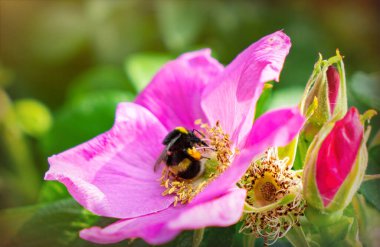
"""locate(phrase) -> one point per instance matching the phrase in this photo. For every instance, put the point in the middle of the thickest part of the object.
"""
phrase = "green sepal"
(283, 201)
(341, 106)
(367, 116)
(321, 218)
(368, 220)
(310, 189)
(296, 237)
(317, 87)
(344, 232)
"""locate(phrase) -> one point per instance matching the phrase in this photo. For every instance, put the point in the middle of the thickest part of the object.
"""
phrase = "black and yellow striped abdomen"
(184, 165)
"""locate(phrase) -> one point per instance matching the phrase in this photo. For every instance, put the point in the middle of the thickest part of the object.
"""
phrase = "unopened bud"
(327, 85)
(335, 163)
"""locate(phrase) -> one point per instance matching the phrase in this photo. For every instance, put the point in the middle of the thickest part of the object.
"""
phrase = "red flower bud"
(333, 82)
(335, 163)
(337, 154)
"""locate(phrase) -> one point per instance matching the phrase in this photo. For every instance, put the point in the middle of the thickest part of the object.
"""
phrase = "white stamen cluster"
(267, 181)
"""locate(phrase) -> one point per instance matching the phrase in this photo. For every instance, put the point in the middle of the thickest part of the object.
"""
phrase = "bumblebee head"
(182, 130)
(196, 139)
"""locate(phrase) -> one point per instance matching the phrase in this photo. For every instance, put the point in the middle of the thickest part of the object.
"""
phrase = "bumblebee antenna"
(200, 140)
(201, 148)
(199, 132)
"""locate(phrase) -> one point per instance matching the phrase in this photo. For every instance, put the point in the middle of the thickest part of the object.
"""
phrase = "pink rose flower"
(112, 175)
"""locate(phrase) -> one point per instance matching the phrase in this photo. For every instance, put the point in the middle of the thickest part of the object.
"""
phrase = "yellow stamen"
(218, 159)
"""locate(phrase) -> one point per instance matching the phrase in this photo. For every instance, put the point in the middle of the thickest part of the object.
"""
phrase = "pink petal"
(231, 98)
(333, 82)
(163, 226)
(152, 228)
(174, 95)
(112, 174)
(225, 210)
(273, 129)
(337, 154)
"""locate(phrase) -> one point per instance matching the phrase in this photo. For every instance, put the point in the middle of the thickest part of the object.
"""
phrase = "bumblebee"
(180, 154)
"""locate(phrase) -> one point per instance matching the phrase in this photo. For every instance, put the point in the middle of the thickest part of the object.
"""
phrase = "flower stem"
(297, 237)
(198, 237)
(25, 179)
(370, 177)
(249, 240)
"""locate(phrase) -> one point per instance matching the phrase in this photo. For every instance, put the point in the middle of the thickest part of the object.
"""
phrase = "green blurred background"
(64, 65)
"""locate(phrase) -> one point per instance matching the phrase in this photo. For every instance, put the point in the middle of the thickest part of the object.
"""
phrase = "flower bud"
(335, 164)
(327, 85)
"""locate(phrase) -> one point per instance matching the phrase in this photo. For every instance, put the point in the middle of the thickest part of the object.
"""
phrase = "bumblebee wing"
(172, 141)
(160, 159)
(164, 153)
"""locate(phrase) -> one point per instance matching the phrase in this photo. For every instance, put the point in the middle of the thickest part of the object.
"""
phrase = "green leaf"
(185, 239)
(50, 224)
(213, 236)
(33, 117)
(302, 148)
(219, 236)
(289, 151)
(180, 23)
(370, 189)
(82, 119)
(366, 89)
(141, 67)
(55, 224)
(53, 191)
(285, 97)
(262, 104)
(98, 79)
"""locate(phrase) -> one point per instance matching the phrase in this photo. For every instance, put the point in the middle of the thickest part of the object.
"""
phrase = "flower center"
(268, 191)
(265, 189)
(275, 192)
(214, 160)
